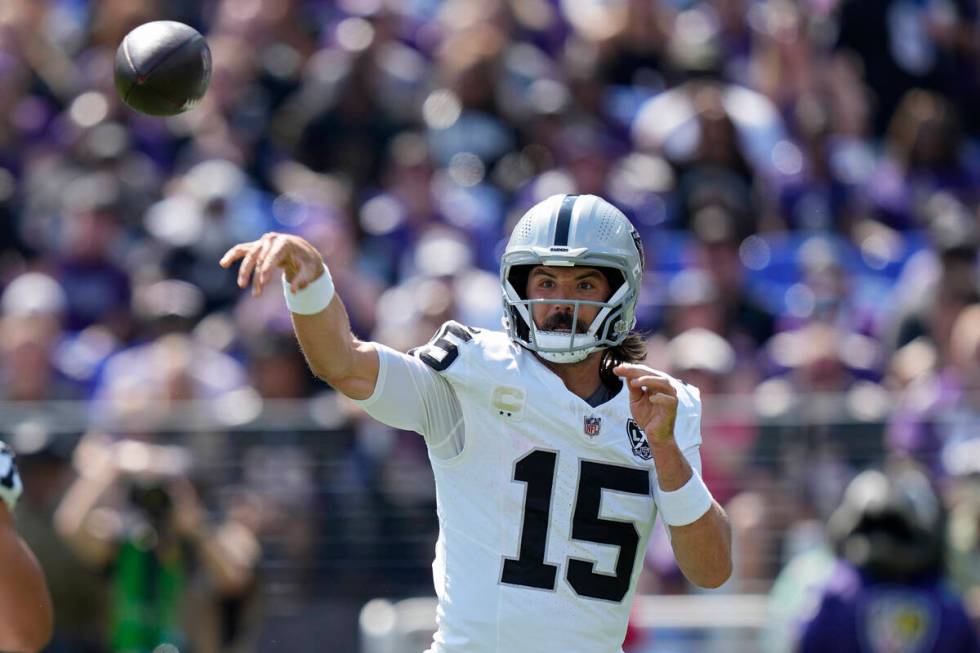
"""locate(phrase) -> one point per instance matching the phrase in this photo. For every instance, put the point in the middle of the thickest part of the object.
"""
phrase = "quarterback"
(553, 450)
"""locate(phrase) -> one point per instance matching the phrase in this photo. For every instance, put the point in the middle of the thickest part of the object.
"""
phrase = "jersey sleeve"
(410, 395)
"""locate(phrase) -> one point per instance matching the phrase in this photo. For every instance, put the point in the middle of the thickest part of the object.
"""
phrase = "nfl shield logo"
(592, 425)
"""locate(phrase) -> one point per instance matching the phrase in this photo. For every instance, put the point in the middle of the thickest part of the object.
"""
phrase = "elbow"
(713, 568)
(350, 385)
(708, 563)
(721, 565)
(716, 576)
(320, 371)
(336, 379)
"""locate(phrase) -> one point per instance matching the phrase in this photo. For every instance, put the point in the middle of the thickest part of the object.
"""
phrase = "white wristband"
(312, 299)
(687, 504)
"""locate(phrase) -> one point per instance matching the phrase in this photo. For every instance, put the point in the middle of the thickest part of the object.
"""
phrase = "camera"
(151, 499)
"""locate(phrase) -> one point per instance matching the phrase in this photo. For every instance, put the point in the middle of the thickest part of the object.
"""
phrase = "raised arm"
(331, 350)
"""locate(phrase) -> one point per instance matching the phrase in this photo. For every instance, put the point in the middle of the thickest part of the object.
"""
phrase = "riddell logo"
(559, 249)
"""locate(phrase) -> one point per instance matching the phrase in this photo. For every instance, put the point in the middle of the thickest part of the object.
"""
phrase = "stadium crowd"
(805, 175)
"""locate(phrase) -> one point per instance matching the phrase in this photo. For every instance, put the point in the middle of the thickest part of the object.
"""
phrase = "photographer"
(134, 512)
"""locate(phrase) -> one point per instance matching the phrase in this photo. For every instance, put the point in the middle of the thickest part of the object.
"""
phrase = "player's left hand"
(653, 401)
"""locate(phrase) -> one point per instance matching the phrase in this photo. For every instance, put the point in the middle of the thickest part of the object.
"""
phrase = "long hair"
(633, 349)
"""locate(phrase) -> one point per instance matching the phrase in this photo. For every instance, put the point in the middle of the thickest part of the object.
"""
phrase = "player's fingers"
(234, 254)
(624, 369)
(651, 383)
(640, 380)
(263, 254)
(626, 372)
(270, 260)
(633, 370)
(245, 269)
(252, 259)
(663, 400)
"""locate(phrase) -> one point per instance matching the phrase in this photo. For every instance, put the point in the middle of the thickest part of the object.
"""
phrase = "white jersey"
(545, 503)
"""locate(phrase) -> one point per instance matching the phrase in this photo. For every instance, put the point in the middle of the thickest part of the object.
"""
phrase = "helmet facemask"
(607, 329)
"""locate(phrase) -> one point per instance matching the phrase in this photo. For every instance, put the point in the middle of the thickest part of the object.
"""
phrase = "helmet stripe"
(564, 220)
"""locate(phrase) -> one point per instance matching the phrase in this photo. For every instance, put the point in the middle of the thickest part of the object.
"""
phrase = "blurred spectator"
(941, 407)
(924, 156)
(818, 424)
(209, 208)
(445, 284)
(900, 45)
(134, 514)
(31, 322)
(348, 133)
(719, 137)
(938, 282)
(746, 322)
(88, 245)
(887, 588)
(139, 385)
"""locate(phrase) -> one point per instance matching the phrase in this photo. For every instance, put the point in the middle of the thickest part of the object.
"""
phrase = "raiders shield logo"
(592, 425)
(638, 440)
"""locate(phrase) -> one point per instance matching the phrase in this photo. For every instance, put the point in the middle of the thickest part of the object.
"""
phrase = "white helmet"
(572, 230)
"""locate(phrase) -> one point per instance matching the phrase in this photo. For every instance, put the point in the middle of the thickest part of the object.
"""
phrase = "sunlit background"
(805, 176)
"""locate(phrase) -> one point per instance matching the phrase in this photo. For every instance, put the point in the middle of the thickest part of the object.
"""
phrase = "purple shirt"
(858, 615)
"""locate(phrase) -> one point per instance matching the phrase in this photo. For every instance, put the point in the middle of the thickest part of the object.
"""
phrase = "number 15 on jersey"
(537, 471)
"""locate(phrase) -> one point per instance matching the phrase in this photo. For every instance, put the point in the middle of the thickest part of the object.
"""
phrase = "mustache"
(558, 321)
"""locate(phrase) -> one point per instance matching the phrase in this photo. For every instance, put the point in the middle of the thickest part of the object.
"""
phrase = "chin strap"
(562, 340)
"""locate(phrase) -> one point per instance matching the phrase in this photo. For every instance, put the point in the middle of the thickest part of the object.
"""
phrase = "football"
(163, 68)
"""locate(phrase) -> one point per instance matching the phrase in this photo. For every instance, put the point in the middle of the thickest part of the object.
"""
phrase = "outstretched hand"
(653, 401)
(298, 259)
